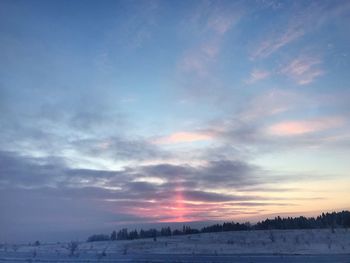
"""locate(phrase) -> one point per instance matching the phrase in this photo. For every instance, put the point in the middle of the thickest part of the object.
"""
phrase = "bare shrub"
(329, 244)
(125, 250)
(272, 237)
(284, 239)
(73, 247)
(332, 229)
(15, 248)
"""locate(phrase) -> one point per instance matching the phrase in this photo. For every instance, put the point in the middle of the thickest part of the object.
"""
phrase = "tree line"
(328, 220)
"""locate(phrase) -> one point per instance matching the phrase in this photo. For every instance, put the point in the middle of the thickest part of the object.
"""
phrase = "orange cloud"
(290, 128)
(181, 137)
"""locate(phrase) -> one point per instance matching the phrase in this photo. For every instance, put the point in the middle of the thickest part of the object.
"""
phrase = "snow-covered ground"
(305, 242)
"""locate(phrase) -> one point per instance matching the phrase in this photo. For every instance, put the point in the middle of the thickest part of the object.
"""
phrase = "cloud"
(212, 17)
(304, 19)
(22, 171)
(222, 20)
(277, 41)
(104, 198)
(245, 126)
(194, 183)
(228, 173)
(271, 102)
(119, 148)
(265, 123)
(210, 22)
(200, 59)
(294, 128)
(258, 74)
(303, 70)
(184, 137)
(137, 27)
(84, 133)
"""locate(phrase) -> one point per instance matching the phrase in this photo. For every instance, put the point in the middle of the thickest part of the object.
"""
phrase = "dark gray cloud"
(27, 171)
(204, 196)
(194, 182)
(23, 171)
(167, 170)
(45, 191)
(230, 173)
(215, 173)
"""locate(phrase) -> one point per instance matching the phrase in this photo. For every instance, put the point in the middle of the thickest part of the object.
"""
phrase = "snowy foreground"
(251, 246)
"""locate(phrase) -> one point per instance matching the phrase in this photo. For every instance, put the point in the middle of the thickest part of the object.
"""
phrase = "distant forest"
(328, 220)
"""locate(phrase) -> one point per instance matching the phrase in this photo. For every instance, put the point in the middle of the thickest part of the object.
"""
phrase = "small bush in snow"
(297, 240)
(272, 237)
(125, 251)
(72, 247)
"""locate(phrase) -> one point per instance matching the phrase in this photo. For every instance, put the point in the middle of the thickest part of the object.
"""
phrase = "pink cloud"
(213, 17)
(273, 102)
(200, 59)
(305, 19)
(274, 43)
(304, 69)
(294, 128)
(185, 137)
(211, 22)
(221, 22)
(195, 62)
(258, 74)
(211, 49)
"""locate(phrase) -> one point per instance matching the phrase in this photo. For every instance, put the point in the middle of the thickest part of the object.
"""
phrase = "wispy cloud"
(210, 22)
(275, 42)
(117, 148)
(137, 28)
(304, 19)
(295, 128)
(272, 121)
(304, 69)
(258, 74)
(199, 60)
(212, 17)
(222, 20)
(270, 103)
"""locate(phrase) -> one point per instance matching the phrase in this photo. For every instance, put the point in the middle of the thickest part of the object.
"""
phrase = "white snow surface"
(316, 241)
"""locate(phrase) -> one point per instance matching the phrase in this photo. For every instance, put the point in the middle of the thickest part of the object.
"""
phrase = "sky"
(122, 113)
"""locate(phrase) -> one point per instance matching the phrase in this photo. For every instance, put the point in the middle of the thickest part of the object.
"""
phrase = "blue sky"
(134, 112)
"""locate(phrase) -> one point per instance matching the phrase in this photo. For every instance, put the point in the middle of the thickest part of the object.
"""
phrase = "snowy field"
(251, 246)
